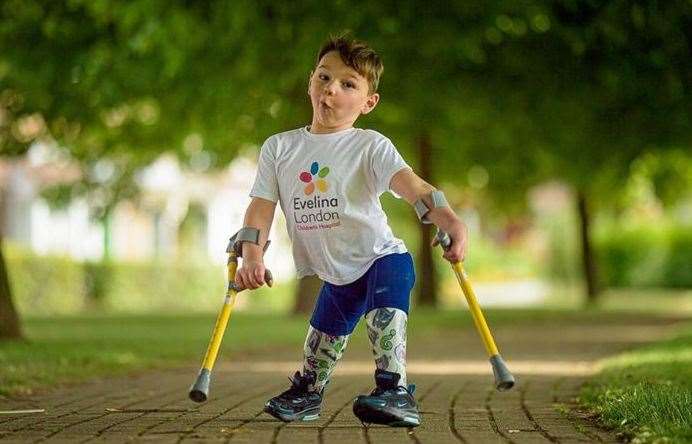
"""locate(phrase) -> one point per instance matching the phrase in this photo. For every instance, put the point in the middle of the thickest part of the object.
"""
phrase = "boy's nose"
(329, 88)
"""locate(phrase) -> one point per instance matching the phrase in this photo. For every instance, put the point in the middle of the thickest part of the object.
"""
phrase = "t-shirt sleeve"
(266, 184)
(386, 162)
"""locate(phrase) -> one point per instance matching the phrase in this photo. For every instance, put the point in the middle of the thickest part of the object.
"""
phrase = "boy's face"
(339, 95)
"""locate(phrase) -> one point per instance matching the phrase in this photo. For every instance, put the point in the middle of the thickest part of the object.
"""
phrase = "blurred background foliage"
(487, 100)
(639, 258)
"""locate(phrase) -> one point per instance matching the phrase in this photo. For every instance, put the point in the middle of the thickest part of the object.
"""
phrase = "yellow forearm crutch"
(200, 389)
(503, 378)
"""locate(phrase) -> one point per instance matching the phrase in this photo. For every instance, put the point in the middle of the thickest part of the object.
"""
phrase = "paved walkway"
(456, 397)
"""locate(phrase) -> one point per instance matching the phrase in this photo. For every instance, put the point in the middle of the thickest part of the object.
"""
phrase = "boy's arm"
(408, 185)
(259, 214)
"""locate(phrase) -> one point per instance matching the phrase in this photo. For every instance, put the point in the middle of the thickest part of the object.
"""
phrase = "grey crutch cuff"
(245, 234)
(439, 201)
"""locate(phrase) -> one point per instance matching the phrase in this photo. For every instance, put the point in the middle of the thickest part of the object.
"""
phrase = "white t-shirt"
(329, 186)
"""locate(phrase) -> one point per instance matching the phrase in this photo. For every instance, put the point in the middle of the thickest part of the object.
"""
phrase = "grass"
(73, 348)
(646, 394)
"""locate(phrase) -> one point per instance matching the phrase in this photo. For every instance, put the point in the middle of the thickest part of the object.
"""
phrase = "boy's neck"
(318, 129)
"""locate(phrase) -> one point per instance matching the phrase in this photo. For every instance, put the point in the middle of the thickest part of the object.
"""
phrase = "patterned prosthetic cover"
(387, 333)
(321, 353)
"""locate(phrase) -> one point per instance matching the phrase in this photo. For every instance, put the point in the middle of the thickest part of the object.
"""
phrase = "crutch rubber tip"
(200, 389)
(503, 378)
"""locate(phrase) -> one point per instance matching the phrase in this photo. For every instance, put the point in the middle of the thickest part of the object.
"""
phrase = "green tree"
(118, 83)
(603, 84)
(569, 89)
(564, 90)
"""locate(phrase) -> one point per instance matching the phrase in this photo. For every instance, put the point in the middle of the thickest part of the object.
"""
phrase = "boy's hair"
(357, 55)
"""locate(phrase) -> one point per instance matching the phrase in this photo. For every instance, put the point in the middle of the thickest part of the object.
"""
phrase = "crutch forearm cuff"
(245, 234)
(422, 209)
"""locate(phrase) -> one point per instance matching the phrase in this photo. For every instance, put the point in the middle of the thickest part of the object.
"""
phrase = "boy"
(328, 178)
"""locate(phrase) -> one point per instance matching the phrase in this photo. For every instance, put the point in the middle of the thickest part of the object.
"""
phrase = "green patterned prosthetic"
(321, 353)
(387, 333)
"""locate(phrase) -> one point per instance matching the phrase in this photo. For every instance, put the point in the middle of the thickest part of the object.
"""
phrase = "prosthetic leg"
(303, 400)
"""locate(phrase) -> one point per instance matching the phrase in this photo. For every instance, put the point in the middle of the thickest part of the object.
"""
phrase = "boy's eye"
(349, 85)
(324, 77)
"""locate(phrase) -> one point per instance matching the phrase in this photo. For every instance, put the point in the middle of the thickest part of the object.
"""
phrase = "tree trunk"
(588, 259)
(427, 280)
(9, 320)
(306, 294)
(107, 235)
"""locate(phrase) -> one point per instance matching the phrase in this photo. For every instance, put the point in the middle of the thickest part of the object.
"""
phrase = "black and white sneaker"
(297, 403)
(389, 404)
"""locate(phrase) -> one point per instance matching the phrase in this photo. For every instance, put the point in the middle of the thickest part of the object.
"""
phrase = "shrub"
(51, 284)
(645, 257)
(44, 285)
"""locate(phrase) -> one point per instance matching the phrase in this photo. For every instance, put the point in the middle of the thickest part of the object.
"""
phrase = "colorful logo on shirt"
(312, 181)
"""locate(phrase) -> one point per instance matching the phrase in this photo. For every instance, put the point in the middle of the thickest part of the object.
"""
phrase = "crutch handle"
(443, 239)
(268, 278)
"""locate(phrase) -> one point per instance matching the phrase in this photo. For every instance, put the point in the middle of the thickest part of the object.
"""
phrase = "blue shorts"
(387, 283)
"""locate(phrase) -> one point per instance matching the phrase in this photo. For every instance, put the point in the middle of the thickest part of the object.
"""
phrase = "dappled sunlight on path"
(417, 367)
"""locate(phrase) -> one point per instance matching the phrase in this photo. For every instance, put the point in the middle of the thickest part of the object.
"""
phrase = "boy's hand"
(250, 275)
(459, 237)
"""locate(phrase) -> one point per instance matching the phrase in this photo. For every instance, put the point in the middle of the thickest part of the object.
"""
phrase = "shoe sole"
(391, 418)
(306, 415)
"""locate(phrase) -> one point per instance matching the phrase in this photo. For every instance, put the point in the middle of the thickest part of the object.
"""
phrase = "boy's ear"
(370, 103)
(310, 80)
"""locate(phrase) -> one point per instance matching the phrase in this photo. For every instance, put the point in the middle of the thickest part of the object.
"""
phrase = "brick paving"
(456, 396)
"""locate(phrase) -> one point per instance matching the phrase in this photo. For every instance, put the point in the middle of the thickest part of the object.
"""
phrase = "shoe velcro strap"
(386, 380)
